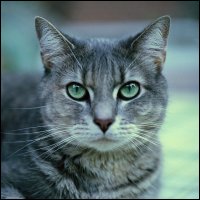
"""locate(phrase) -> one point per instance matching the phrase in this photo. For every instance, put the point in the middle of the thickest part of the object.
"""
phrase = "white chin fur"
(105, 146)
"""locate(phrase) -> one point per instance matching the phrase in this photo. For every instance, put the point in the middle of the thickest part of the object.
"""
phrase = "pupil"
(130, 87)
(76, 88)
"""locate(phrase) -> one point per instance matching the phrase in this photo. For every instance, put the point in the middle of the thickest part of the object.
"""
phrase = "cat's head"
(100, 93)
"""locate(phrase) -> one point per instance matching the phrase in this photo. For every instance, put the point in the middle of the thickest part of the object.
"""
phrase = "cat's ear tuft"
(155, 35)
(54, 45)
(151, 43)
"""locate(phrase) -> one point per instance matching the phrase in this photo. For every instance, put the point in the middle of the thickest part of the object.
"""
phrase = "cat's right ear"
(149, 46)
(53, 43)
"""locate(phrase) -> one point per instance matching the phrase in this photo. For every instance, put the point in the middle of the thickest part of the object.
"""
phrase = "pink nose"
(103, 123)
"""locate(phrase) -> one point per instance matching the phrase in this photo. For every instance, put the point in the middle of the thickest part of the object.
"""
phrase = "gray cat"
(90, 128)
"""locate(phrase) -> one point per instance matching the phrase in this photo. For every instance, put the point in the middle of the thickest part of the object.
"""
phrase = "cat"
(89, 127)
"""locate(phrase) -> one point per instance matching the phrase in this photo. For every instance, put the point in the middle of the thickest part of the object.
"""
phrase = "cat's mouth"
(104, 143)
(104, 139)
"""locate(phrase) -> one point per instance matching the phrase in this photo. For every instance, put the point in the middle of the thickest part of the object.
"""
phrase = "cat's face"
(104, 94)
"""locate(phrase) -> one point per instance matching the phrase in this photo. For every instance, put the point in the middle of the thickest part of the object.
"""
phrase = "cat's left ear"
(53, 44)
(151, 43)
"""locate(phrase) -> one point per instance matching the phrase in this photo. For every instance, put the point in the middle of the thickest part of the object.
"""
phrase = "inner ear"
(150, 44)
(55, 46)
(155, 35)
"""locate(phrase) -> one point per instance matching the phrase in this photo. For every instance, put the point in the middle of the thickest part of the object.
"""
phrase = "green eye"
(76, 91)
(129, 90)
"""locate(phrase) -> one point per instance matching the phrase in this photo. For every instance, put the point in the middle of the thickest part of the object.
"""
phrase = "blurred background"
(180, 133)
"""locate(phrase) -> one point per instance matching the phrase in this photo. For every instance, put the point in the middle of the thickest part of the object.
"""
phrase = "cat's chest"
(92, 178)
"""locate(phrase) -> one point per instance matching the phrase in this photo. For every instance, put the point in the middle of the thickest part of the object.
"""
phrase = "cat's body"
(90, 146)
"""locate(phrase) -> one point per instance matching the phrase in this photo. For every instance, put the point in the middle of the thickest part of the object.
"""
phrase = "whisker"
(134, 131)
(35, 127)
(35, 140)
(150, 125)
(139, 136)
(132, 145)
(35, 132)
(152, 137)
(28, 108)
(58, 144)
(127, 68)
(28, 152)
(135, 144)
(135, 138)
(35, 107)
(81, 67)
(143, 144)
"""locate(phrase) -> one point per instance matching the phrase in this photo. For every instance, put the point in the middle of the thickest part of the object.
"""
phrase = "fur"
(58, 151)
